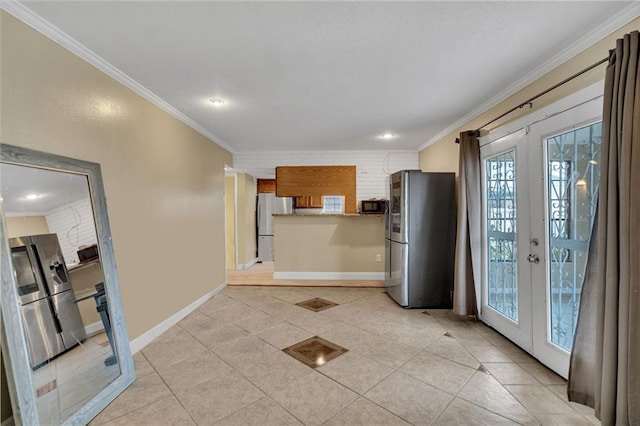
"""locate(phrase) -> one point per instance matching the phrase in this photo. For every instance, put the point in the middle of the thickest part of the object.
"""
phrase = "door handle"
(533, 258)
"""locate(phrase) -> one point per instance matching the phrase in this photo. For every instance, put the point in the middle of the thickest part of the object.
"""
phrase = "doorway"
(230, 220)
(539, 180)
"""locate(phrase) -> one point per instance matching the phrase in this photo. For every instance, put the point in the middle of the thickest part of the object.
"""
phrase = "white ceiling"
(328, 75)
(54, 188)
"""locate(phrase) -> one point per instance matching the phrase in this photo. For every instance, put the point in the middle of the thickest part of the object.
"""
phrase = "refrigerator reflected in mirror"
(50, 225)
(47, 302)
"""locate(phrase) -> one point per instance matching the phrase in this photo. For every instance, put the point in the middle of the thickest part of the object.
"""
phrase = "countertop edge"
(326, 215)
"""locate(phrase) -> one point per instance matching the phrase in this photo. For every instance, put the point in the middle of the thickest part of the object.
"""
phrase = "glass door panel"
(501, 217)
(506, 292)
(540, 182)
(563, 209)
(572, 180)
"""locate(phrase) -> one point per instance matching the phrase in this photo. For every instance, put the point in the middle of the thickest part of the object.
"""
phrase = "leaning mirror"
(65, 345)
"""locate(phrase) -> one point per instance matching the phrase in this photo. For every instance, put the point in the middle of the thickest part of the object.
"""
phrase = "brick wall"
(75, 227)
(372, 167)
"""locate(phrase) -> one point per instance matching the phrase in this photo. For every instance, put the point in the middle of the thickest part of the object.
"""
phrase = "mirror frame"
(16, 358)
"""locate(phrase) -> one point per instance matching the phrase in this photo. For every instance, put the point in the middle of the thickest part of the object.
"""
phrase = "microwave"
(373, 206)
(88, 253)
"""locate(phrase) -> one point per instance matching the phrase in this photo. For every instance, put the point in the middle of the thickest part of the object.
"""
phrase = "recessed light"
(593, 162)
(217, 101)
(32, 196)
(387, 136)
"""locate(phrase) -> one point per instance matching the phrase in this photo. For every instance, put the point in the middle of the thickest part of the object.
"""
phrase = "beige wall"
(246, 218)
(230, 221)
(442, 156)
(322, 243)
(25, 225)
(164, 182)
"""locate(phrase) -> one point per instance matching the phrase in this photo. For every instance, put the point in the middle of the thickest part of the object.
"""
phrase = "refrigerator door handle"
(57, 272)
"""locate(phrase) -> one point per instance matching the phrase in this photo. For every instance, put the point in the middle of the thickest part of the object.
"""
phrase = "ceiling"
(53, 189)
(329, 75)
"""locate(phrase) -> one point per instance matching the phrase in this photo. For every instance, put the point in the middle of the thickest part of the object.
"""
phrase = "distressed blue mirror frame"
(15, 355)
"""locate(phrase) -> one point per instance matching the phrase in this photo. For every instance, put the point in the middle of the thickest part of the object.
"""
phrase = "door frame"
(230, 173)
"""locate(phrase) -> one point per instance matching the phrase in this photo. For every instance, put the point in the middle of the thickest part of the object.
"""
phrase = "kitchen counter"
(329, 246)
(83, 295)
(79, 266)
(84, 277)
(329, 214)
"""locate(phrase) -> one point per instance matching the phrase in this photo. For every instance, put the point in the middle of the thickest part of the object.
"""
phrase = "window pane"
(501, 232)
(333, 204)
(573, 175)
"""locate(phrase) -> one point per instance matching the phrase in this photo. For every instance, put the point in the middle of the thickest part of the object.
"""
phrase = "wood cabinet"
(296, 181)
(309, 202)
(266, 185)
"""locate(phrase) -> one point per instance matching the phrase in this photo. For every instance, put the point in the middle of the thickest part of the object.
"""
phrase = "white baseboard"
(245, 266)
(93, 328)
(328, 275)
(8, 422)
(145, 338)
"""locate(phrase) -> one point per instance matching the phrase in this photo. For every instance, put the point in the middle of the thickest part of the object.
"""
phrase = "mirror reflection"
(60, 284)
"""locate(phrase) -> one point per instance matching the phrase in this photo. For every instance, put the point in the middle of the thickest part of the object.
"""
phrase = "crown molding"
(612, 24)
(24, 214)
(26, 15)
(35, 21)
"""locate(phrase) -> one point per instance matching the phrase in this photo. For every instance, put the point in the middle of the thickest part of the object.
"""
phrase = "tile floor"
(71, 380)
(224, 365)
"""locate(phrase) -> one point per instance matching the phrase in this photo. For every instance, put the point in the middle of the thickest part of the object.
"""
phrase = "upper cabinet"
(318, 181)
(309, 202)
(266, 185)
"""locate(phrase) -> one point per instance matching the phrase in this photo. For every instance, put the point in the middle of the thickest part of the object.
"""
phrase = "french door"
(539, 185)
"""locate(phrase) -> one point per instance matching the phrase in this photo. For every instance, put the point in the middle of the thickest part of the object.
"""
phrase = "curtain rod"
(530, 100)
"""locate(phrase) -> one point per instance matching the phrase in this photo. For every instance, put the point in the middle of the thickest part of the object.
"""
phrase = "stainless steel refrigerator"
(268, 205)
(420, 239)
(47, 303)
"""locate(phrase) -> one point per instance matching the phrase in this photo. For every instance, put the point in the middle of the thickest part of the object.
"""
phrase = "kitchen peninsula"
(329, 247)
(83, 279)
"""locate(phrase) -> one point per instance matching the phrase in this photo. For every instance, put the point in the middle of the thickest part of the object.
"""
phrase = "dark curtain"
(468, 241)
(605, 362)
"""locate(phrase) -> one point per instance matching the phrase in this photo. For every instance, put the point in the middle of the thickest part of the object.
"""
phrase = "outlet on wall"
(378, 258)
